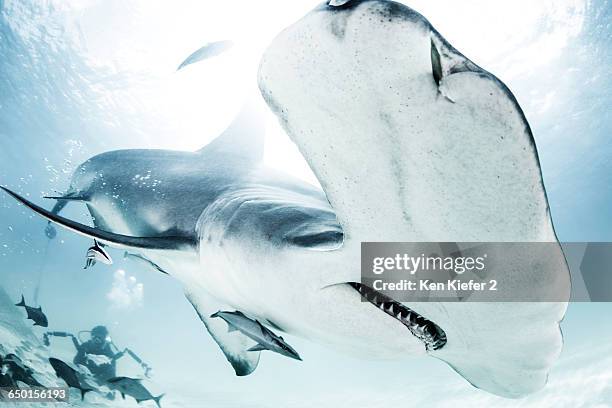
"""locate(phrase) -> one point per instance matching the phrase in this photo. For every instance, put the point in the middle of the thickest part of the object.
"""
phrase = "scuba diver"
(99, 354)
(98, 345)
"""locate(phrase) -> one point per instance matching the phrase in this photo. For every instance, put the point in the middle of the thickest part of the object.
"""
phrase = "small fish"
(97, 253)
(20, 371)
(34, 313)
(69, 375)
(265, 338)
(207, 51)
(144, 260)
(134, 388)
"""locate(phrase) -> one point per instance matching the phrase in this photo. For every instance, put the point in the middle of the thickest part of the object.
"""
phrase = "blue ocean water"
(79, 79)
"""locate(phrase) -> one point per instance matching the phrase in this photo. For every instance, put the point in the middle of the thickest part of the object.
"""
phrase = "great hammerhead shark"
(410, 141)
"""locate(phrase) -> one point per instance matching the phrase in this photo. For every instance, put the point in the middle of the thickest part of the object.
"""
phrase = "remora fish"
(134, 388)
(265, 338)
(69, 375)
(97, 253)
(411, 142)
(34, 313)
(141, 259)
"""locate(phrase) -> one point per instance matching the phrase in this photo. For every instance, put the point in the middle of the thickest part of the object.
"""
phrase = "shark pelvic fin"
(233, 344)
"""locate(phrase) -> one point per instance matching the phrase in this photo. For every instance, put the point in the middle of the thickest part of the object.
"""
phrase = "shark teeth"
(425, 330)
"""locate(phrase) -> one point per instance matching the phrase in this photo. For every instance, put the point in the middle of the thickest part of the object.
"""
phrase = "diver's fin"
(233, 344)
(110, 238)
(231, 328)
(258, 347)
(245, 135)
(21, 303)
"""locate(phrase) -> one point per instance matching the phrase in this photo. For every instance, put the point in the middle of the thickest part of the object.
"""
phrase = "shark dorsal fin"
(244, 137)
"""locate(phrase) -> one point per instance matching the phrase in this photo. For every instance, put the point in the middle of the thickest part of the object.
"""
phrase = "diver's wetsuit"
(103, 371)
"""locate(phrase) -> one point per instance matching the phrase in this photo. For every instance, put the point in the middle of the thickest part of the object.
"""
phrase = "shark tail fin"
(21, 303)
(257, 347)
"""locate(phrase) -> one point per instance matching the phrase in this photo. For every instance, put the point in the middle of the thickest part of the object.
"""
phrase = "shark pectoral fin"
(233, 343)
(106, 237)
(258, 347)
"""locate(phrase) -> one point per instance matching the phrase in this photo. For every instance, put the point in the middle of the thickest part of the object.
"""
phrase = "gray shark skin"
(161, 205)
(410, 141)
(134, 388)
(265, 338)
(34, 313)
(69, 375)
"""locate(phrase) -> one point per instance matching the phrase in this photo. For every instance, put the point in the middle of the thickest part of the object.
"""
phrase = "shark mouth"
(423, 329)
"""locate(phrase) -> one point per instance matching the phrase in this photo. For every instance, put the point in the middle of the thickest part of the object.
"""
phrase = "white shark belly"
(290, 291)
